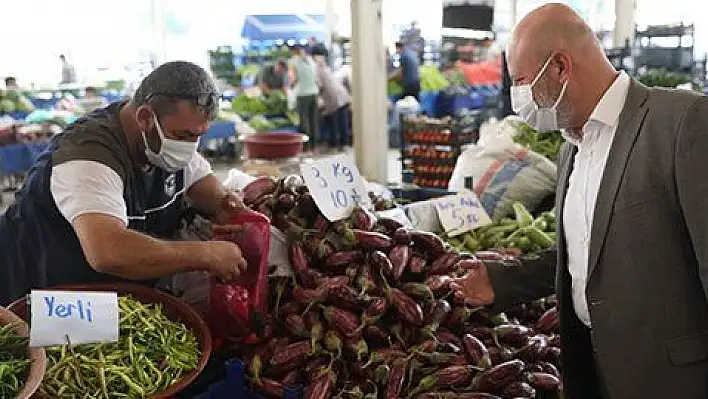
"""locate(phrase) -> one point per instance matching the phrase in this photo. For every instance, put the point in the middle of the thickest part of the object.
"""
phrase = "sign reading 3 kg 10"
(336, 186)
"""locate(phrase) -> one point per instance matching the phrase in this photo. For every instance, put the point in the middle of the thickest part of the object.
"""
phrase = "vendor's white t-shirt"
(80, 187)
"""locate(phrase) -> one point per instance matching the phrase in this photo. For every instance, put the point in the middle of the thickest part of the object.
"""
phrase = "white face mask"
(522, 102)
(174, 155)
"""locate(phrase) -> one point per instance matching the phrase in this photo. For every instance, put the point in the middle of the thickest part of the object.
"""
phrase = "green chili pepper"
(14, 365)
(151, 354)
(538, 237)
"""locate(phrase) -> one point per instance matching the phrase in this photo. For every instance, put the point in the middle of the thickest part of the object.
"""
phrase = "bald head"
(577, 71)
(551, 27)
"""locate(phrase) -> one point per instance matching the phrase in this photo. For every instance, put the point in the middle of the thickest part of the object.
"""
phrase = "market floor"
(221, 170)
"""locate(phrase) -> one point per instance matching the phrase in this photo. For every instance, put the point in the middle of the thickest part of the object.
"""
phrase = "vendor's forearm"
(139, 257)
(111, 248)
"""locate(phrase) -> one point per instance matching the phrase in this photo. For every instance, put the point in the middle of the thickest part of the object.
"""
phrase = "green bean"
(14, 365)
(151, 354)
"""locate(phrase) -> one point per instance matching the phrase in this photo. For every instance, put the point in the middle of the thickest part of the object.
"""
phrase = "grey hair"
(175, 81)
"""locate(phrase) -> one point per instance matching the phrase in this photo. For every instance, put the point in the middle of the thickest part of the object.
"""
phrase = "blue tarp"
(283, 27)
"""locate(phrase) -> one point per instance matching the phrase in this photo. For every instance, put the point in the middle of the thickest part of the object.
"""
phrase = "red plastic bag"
(237, 309)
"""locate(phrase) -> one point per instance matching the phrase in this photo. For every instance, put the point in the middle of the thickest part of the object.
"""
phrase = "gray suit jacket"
(648, 263)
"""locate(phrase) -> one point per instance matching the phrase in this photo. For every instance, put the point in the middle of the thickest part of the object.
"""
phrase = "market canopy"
(283, 27)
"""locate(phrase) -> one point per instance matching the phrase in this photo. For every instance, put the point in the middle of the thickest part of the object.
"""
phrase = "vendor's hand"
(474, 288)
(227, 262)
(232, 201)
(230, 205)
(227, 232)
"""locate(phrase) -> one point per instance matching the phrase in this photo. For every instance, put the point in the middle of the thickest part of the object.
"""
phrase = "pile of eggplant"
(273, 197)
(369, 314)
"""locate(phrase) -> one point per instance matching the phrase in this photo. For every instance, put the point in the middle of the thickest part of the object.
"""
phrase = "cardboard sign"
(75, 317)
(336, 186)
(461, 213)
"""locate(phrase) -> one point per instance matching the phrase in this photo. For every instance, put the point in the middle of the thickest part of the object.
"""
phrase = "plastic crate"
(234, 386)
(428, 101)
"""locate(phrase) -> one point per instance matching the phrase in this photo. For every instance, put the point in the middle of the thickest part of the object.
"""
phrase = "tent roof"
(283, 26)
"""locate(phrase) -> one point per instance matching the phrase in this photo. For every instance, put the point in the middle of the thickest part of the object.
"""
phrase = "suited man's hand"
(474, 288)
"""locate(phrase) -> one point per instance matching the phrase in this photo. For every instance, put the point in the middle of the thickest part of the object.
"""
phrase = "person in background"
(92, 100)
(630, 267)
(487, 50)
(390, 68)
(104, 201)
(335, 103)
(14, 91)
(11, 83)
(68, 73)
(304, 84)
(316, 47)
(412, 40)
(408, 73)
(273, 77)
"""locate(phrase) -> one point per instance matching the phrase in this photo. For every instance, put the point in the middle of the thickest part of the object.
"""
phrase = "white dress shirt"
(588, 167)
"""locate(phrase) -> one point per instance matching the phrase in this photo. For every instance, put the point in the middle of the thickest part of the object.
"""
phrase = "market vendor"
(273, 76)
(631, 267)
(102, 203)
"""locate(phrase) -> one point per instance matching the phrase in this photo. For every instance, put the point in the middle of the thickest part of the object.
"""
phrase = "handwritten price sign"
(461, 212)
(60, 317)
(336, 186)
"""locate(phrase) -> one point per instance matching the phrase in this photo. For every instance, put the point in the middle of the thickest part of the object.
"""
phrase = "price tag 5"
(75, 317)
(460, 213)
(336, 186)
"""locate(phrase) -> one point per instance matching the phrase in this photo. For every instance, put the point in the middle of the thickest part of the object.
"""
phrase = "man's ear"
(562, 65)
(144, 117)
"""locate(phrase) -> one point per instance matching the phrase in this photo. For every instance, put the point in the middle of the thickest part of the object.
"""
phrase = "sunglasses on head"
(204, 100)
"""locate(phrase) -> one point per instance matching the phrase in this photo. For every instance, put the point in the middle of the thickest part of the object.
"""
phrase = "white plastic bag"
(237, 180)
(191, 287)
(503, 171)
(398, 214)
(278, 260)
(424, 216)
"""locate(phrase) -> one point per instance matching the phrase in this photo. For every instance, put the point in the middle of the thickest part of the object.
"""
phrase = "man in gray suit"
(631, 266)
